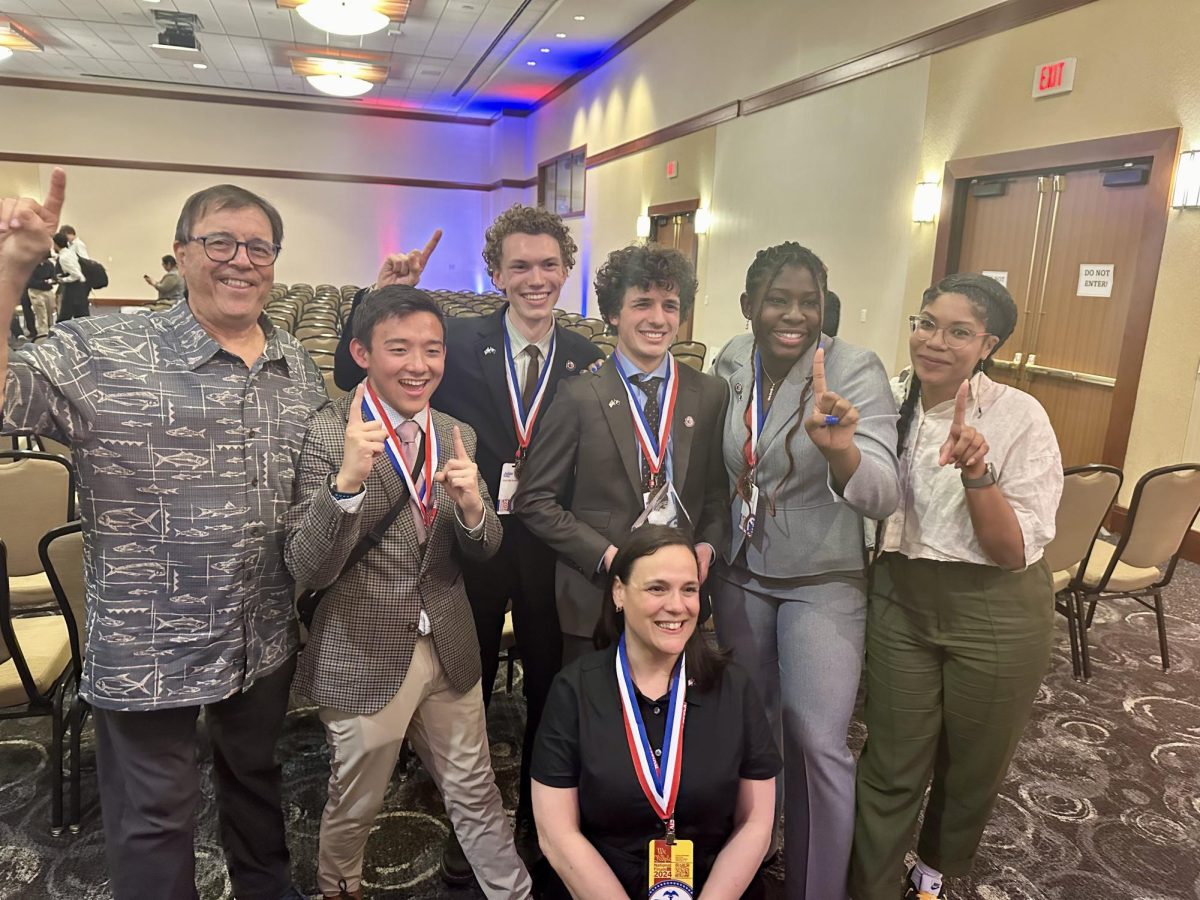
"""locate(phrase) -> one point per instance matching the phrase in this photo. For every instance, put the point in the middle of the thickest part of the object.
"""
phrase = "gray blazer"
(813, 530)
(365, 628)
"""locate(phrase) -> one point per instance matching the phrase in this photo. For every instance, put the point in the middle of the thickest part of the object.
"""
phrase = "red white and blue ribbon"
(421, 491)
(659, 778)
(523, 419)
(655, 447)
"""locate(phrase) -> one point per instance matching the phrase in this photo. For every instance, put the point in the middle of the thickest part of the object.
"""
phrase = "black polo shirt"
(581, 744)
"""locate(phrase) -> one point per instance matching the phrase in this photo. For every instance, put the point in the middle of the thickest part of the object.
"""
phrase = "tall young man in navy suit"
(502, 371)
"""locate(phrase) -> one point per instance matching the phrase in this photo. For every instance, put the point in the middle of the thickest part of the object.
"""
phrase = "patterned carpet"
(1103, 799)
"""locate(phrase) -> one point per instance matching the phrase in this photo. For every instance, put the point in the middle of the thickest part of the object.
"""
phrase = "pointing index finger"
(356, 406)
(460, 450)
(57, 193)
(960, 404)
(431, 246)
(818, 373)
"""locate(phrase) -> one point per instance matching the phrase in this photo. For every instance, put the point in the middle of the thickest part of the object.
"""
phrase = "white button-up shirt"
(933, 521)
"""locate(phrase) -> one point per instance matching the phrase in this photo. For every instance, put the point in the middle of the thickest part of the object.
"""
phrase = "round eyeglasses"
(955, 336)
(224, 247)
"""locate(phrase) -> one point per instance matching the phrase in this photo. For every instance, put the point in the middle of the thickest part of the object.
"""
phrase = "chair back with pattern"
(1088, 494)
(1164, 506)
(61, 551)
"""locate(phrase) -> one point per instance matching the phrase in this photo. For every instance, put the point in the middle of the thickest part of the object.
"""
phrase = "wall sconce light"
(927, 200)
(643, 226)
(1187, 181)
(702, 220)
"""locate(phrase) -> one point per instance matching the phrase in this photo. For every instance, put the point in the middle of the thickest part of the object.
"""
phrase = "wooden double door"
(1067, 244)
(674, 225)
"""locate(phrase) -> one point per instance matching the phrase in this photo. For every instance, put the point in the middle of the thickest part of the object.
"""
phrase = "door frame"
(679, 208)
(1162, 147)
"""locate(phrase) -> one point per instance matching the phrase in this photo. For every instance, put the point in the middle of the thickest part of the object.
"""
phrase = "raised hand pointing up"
(460, 475)
(25, 230)
(406, 268)
(964, 447)
(834, 419)
(364, 444)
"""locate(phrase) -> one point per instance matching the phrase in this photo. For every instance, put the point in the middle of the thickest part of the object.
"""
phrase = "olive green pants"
(955, 655)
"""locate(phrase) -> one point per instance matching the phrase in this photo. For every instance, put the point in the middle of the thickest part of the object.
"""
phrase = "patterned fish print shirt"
(186, 461)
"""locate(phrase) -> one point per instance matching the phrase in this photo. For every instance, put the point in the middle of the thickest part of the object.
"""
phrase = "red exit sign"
(1056, 77)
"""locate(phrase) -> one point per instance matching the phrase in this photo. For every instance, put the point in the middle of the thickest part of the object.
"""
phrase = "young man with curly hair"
(639, 440)
(501, 373)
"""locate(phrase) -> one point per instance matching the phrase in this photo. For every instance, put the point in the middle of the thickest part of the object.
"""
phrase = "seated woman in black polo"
(635, 763)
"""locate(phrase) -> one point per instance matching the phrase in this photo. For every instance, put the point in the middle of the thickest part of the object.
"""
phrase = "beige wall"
(1136, 72)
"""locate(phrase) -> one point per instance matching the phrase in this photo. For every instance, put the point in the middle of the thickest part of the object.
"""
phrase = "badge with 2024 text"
(671, 870)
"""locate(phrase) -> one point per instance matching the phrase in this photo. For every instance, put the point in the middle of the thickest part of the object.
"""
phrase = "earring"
(620, 609)
(747, 324)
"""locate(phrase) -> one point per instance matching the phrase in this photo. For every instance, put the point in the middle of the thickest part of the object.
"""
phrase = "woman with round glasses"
(809, 449)
(961, 607)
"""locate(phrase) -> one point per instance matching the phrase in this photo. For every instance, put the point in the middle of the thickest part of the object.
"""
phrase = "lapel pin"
(612, 403)
(570, 365)
(737, 389)
(488, 351)
(689, 422)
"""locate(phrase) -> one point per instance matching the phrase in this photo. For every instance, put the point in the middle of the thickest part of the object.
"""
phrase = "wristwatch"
(987, 479)
(342, 495)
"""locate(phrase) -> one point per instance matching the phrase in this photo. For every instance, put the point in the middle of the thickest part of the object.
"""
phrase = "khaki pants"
(449, 732)
(45, 308)
(955, 655)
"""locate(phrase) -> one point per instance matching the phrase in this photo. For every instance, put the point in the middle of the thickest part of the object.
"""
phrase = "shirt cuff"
(351, 505)
(476, 533)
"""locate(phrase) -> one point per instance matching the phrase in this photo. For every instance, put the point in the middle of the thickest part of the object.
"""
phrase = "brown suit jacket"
(365, 628)
(581, 488)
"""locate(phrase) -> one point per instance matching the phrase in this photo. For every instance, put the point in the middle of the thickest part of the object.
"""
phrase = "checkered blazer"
(365, 627)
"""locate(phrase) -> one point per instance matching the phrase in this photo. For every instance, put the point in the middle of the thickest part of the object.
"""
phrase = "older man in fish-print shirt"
(185, 426)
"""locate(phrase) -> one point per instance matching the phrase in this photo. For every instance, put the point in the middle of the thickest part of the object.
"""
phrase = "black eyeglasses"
(223, 248)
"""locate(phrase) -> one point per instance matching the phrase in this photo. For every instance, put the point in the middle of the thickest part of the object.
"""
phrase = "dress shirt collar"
(519, 342)
(630, 370)
(397, 419)
(197, 346)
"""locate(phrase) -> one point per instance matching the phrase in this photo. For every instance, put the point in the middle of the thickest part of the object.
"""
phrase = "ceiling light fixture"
(199, 66)
(545, 49)
(531, 63)
(349, 17)
(561, 34)
(339, 85)
(581, 18)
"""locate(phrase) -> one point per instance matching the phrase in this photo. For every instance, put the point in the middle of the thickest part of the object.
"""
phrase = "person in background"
(657, 698)
(190, 607)
(76, 243)
(42, 297)
(392, 648)
(170, 286)
(638, 441)
(961, 613)
(809, 447)
(73, 302)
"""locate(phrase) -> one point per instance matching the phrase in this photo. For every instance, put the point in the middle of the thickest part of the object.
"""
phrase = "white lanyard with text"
(372, 408)
(655, 447)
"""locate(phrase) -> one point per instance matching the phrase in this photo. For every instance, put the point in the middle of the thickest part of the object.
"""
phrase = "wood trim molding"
(124, 90)
(667, 12)
(673, 209)
(1118, 515)
(249, 172)
(978, 25)
(1162, 147)
(671, 132)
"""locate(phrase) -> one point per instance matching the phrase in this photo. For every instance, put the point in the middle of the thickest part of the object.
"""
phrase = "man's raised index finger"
(58, 191)
(431, 246)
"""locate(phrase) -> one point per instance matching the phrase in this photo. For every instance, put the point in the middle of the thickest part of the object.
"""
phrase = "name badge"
(508, 488)
(749, 517)
(671, 870)
(662, 507)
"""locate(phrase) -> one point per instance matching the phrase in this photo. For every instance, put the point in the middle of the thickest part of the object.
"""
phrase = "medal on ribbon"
(524, 419)
(655, 446)
(421, 490)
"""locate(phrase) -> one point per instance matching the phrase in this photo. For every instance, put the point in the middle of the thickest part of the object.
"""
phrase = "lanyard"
(372, 408)
(659, 780)
(523, 419)
(654, 446)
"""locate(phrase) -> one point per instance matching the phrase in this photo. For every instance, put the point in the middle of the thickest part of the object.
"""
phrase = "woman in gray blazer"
(809, 448)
